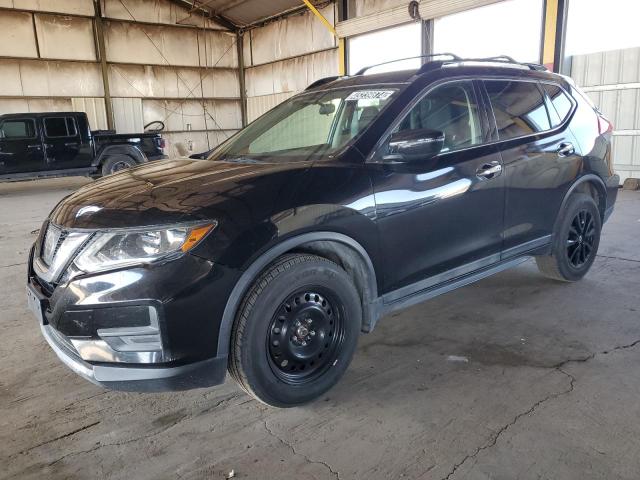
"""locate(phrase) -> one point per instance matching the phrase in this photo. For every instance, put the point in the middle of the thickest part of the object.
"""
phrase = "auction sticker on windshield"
(370, 95)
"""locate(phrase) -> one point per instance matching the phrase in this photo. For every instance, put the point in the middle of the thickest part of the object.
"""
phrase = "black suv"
(362, 195)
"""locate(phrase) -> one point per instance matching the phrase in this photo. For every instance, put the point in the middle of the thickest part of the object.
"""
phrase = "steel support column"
(102, 57)
(554, 34)
(343, 48)
(241, 80)
(427, 38)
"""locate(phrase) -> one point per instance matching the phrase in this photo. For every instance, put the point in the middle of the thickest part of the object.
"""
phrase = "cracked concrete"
(494, 438)
(549, 389)
(293, 450)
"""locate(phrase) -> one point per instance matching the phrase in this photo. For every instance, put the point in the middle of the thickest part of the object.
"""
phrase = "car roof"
(38, 114)
(454, 68)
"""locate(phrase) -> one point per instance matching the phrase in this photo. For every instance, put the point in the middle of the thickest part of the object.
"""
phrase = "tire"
(575, 240)
(296, 331)
(117, 163)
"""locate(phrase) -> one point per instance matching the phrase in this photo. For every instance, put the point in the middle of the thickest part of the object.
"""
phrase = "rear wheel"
(117, 163)
(296, 331)
(575, 242)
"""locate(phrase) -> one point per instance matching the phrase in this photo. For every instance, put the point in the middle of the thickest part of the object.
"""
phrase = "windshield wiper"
(240, 160)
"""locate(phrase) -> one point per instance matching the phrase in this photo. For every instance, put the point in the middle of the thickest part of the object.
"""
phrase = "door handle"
(71, 144)
(34, 147)
(489, 170)
(566, 149)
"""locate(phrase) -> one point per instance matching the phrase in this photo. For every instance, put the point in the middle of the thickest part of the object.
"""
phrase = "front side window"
(307, 126)
(60, 127)
(518, 107)
(451, 108)
(17, 129)
(561, 104)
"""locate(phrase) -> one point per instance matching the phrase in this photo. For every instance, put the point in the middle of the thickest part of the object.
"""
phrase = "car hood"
(176, 191)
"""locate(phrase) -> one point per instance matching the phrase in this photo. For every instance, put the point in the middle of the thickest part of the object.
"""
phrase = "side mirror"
(327, 108)
(414, 145)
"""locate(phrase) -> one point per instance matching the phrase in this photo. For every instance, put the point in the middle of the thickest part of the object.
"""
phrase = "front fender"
(258, 265)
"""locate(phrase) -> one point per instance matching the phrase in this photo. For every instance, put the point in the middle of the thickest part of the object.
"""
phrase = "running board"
(429, 293)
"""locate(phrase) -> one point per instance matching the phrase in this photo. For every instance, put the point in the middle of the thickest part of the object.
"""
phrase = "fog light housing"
(124, 344)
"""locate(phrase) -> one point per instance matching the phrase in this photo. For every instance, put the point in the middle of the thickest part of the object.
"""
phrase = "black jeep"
(363, 195)
(34, 145)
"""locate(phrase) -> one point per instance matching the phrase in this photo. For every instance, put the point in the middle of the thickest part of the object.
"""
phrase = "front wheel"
(575, 241)
(296, 331)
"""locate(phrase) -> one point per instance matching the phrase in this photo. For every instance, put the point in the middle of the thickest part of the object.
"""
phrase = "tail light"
(604, 125)
(162, 143)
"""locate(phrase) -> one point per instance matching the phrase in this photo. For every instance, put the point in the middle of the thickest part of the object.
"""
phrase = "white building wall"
(163, 64)
(285, 56)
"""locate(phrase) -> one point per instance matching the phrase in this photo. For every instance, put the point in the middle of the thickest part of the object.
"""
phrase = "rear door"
(442, 217)
(65, 148)
(539, 159)
(20, 146)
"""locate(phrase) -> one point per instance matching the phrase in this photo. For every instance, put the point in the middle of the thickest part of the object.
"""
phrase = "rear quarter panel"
(594, 147)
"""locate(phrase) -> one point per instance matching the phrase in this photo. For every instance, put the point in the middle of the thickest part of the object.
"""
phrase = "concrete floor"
(513, 377)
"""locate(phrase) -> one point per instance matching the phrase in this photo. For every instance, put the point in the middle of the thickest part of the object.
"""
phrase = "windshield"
(308, 125)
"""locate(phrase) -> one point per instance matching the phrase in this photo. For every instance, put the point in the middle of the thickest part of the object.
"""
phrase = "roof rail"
(322, 81)
(436, 64)
(537, 66)
(453, 57)
(507, 60)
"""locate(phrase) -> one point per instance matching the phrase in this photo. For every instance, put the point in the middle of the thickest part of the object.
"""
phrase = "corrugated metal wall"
(284, 57)
(163, 64)
(612, 80)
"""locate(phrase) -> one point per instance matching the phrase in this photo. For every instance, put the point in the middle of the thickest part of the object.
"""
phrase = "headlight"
(107, 250)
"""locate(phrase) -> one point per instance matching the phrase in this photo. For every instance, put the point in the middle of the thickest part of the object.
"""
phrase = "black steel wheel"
(581, 238)
(305, 335)
(576, 238)
(296, 331)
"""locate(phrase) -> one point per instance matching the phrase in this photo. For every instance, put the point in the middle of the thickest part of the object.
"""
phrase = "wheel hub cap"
(304, 336)
(302, 332)
(581, 239)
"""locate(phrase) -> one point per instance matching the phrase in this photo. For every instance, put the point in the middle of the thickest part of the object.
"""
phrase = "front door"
(63, 142)
(442, 217)
(20, 146)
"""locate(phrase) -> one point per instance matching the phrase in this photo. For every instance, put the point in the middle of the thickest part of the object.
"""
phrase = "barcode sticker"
(370, 95)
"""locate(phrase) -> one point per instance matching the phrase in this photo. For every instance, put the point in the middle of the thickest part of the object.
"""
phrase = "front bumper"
(200, 374)
(83, 320)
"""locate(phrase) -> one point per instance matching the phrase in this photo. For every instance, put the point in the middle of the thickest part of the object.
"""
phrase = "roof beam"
(192, 5)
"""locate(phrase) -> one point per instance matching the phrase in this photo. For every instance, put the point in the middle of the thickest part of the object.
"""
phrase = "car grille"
(53, 239)
(45, 288)
(59, 247)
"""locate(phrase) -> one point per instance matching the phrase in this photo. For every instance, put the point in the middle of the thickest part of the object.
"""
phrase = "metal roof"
(236, 14)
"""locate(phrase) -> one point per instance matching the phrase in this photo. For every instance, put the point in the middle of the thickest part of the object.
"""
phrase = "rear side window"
(519, 108)
(17, 129)
(561, 103)
(60, 127)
